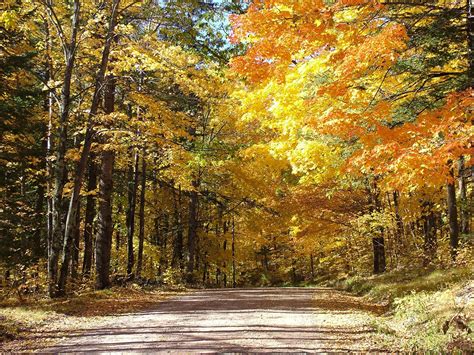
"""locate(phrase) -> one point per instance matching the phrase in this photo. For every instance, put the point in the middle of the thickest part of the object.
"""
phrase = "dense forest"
(233, 143)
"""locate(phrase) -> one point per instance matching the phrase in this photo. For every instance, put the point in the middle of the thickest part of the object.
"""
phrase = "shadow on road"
(242, 320)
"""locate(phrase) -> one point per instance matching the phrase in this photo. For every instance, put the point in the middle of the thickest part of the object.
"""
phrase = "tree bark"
(132, 200)
(192, 230)
(464, 225)
(141, 214)
(89, 218)
(378, 243)
(453, 216)
(105, 224)
(234, 283)
(429, 232)
(105, 230)
(178, 240)
(75, 246)
(470, 41)
(379, 255)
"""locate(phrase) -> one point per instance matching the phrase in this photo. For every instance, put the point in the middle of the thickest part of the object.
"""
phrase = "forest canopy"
(233, 143)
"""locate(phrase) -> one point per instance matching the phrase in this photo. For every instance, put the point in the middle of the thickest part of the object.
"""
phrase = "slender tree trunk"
(178, 240)
(464, 225)
(60, 162)
(379, 255)
(37, 240)
(234, 283)
(105, 224)
(224, 264)
(429, 232)
(49, 145)
(398, 218)
(79, 173)
(132, 199)
(453, 216)
(89, 218)
(470, 41)
(378, 243)
(311, 263)
(141, 214)
(192, 230)
(105, 230)
(75, 246)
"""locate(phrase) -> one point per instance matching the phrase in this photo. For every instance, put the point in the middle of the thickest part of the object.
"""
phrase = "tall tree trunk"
(178, 240)
(132, 201)
(105, 230)
(378, 243)
(429, 232)
(398, 218)
(379, 255)
(75, 246)
(141, 216)
(234, 283)
(470, 41)
(105, 224)
(36, 248)
(192, 230)
(464, 225)
(49, 144)
(89, 218)
(54, 247)
(453, 216)
(80, 170)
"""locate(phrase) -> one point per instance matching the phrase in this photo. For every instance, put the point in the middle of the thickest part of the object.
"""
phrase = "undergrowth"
(431, 310)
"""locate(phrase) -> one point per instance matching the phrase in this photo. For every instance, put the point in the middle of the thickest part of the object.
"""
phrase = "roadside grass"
(431, 310)
(395, 284)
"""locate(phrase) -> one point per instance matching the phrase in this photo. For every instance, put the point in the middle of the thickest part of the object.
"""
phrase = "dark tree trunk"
(453, 216)
(429, 232)
(378, 243)
(105, 230)
(89, 218)
(178, 240)
(141, 216)
(234, 284)
(105, 224)
(132, 201)
(470, 41)
(37, 248)
(379, 255)
(162, 241)
(311, 264)
(398, 218)
(192, 231)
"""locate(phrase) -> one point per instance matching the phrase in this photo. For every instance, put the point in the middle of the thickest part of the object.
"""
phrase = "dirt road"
(241, 320)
